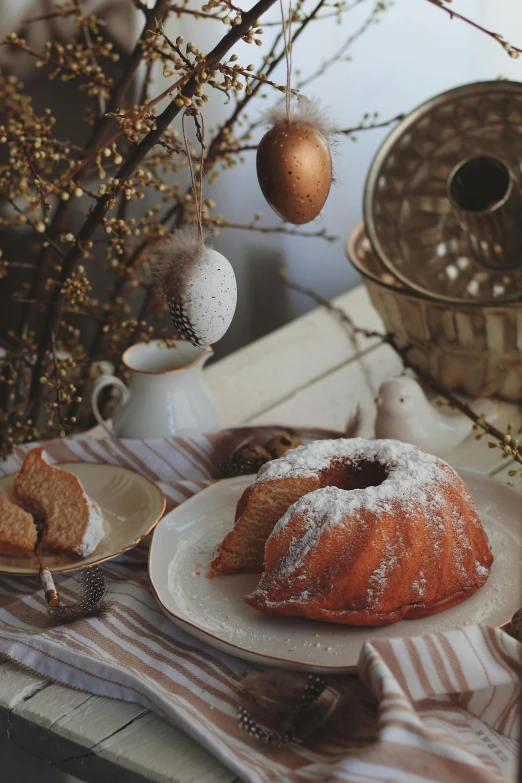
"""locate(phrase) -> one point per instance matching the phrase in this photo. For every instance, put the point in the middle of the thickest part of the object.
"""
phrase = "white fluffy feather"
(305, 110)
(176, 255)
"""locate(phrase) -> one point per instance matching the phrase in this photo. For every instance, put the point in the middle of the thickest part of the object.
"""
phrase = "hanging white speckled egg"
(198, 285)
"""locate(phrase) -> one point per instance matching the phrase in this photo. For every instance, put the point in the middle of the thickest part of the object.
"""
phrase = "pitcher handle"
(99, 384)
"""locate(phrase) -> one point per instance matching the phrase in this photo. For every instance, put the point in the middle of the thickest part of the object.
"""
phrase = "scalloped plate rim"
(284, 661)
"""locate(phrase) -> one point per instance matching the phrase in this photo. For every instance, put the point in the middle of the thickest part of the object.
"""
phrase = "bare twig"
(144, 92)
(272, 229)
(364, 126)
(179, 10)
(403, 351)
(29, 222)
(372, 125)
(339, 55)
(88, 42)
(62, 13)
(513, 51)
(296, 16)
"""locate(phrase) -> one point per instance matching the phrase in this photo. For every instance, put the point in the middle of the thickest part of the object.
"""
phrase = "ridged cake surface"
(373, 531)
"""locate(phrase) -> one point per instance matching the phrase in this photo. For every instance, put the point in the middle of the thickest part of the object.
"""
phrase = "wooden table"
(307, 373)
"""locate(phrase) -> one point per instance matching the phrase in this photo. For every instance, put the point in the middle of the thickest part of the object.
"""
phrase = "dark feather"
(282, 708)
(182, 323)
(91, 598)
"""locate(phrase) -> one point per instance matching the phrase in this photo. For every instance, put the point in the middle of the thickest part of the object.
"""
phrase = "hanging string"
(197, 193)
(287, 38)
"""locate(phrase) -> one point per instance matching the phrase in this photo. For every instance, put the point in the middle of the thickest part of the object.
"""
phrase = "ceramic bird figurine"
(404, 413)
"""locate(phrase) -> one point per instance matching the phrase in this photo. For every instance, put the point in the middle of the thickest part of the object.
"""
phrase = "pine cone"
(245, 460)
(280, 444)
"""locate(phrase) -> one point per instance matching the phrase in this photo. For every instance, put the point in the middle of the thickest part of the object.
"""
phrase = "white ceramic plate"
(131, 505)
(213, 609)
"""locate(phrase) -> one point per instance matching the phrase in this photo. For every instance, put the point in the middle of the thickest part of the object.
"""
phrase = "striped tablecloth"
(436, 708)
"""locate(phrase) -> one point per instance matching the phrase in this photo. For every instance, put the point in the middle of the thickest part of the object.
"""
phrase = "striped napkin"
(435, 708)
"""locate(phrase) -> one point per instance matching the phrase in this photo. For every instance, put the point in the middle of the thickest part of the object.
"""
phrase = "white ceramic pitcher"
(166, 396)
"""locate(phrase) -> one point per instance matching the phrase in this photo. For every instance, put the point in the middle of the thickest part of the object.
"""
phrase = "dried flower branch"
(131, 175)
(340, 55)
(137, 155)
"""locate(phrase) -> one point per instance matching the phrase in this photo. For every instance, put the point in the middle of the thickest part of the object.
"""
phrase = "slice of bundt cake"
(73, 521)
(18, 533)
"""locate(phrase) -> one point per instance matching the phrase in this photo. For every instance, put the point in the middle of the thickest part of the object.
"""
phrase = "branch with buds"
(507, 442)
(106, 204)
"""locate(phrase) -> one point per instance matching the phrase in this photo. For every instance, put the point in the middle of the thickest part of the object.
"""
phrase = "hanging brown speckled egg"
(294, 169)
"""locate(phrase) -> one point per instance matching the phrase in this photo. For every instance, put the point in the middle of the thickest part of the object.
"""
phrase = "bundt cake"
(361, 532)
(73, 521)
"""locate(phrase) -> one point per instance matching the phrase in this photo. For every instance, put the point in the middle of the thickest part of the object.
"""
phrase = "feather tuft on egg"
(294, 163)
(198, 285)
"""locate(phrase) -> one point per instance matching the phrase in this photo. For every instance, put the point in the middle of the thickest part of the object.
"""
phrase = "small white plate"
(213, 610)
(131, 505)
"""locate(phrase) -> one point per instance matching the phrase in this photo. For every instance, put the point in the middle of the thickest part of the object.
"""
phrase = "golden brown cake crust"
(386, 531)
(18, 534)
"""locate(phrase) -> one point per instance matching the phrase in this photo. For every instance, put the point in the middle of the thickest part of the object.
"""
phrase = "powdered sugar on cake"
(413, 480)
(94, 531)
(416, 466)
(411, 472)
